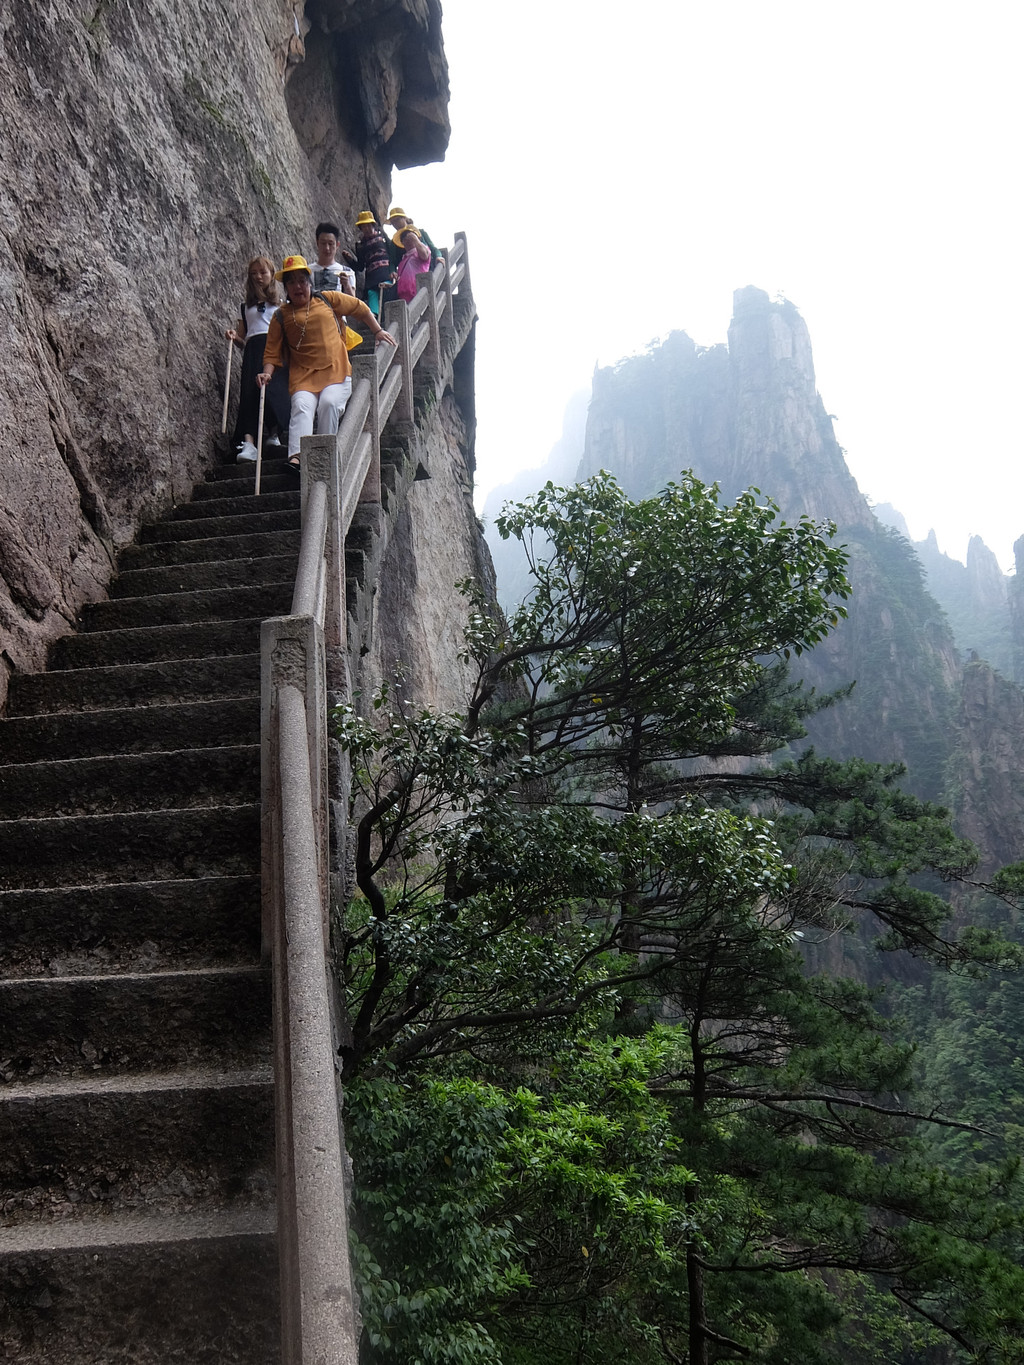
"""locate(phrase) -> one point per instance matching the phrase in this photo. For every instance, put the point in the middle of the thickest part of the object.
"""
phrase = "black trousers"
(278, 398)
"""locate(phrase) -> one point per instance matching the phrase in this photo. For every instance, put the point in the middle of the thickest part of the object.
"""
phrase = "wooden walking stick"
(259, 437)
(227, 390)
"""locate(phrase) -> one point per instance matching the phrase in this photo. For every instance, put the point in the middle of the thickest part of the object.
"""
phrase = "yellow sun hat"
(365, 217)
(396, 212)
(402, 233)
(290, 264)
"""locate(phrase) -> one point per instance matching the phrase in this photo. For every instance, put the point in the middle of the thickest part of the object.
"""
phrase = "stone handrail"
(303, 668)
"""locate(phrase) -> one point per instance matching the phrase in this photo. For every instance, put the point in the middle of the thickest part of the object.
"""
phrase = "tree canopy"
(599, 1107)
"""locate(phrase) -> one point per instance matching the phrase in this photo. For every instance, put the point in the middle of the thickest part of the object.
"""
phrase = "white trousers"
(327, 406)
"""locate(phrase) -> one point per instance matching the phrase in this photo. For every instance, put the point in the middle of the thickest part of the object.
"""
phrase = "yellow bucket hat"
(402, 233)
(291, 264)
(365, 217)
(396, 212)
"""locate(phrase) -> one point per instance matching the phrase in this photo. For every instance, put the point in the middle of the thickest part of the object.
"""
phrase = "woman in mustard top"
(306, 335)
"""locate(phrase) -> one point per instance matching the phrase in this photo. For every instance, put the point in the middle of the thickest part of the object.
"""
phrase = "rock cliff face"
(988, 791)
(1015, 595)
(740, 411)
(147, 152)
(413, 632)
(975, 596)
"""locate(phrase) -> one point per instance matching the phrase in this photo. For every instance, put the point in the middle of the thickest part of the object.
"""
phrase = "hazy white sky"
(621, 168)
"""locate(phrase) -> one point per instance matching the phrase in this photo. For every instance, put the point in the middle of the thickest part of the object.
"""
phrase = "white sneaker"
(272, 441)
(246, 451)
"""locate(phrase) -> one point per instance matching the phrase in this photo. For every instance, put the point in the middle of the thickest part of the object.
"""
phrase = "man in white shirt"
(329, 273)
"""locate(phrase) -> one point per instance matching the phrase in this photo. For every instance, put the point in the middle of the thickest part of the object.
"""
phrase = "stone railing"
(303, 669)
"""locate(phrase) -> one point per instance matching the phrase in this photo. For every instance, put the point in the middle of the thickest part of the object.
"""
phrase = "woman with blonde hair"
(263, 297)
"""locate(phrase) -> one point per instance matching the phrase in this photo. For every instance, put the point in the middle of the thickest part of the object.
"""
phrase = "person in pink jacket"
(415, 261)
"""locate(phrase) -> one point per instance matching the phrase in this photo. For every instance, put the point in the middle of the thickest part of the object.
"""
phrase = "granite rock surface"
(419, 617)
(146, 153)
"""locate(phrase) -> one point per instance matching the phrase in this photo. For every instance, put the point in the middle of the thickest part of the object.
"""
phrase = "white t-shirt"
(257, 318)
(330, 276)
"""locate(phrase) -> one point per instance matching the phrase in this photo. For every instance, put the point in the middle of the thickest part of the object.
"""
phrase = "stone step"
(166, 1141)
(228, 775)
(144, 684)
(134, 1022)
(243, 504)
(238, 481)
(216, 573)
(148, 846)
(132, 926)
(202, 528)
(273, 459)
(272, 455)
(255, 545)
(150, 644)
(136, 1093)
(134, 729)
(122, 1289)
(185, 608)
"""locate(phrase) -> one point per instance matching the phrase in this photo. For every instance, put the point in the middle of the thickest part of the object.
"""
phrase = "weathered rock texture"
(414, 630)
(1015, 594)
(740, 411)
(988, 796)
(147, 152)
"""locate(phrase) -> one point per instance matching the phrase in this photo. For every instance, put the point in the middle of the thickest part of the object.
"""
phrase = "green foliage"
(889, 838)
(497, 1211)
(431, 1174)
(1009, 882)
(599, 1109)
(634, 635)
(506, 921)
(897, 656)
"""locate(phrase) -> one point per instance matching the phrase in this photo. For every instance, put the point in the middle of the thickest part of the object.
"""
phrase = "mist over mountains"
(977, 597)
(935, 648)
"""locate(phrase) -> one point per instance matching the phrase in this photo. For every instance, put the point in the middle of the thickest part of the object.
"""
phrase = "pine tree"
(600, 1110)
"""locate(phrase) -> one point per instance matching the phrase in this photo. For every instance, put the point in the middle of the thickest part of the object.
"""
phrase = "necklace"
(298, 344)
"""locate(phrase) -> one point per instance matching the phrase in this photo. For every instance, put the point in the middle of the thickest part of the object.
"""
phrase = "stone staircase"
(136, 1116)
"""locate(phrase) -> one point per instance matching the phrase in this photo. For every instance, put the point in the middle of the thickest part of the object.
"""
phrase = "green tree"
(597, 861)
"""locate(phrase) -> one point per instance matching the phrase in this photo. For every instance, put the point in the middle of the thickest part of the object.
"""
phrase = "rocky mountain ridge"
(749, 414)
(976, 595)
